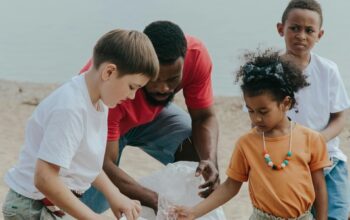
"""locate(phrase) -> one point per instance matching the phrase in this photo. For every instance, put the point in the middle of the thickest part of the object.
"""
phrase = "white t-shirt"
(326, 94)
(66, 130)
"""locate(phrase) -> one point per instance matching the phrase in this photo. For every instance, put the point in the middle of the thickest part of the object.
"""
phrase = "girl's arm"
(221, 195)
(335, 125)
(119, 203)
(47, 181)
(320, 204)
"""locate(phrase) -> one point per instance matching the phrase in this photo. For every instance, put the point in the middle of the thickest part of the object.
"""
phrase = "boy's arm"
(320, 204)
(47, 181)
(221, 195)
(119, 203)
(335, 125)
(126, 184)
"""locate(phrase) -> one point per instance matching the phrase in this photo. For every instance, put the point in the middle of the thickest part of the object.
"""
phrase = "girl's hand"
(123, 205)
(184, 213)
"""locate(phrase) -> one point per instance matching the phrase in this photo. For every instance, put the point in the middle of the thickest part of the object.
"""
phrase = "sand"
(18, 100)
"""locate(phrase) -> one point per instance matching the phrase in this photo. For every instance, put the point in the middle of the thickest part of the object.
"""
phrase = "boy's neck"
(300, 60)
(92, 83)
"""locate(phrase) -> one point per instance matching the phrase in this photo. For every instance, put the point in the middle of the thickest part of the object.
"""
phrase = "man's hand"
(210, 173)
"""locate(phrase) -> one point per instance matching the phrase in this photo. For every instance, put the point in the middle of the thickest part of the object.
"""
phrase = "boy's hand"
(123, 205)
(184, 213)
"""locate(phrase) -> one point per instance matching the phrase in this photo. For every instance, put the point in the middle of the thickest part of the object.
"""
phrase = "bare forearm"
(221, 195)
(128, 186)
(335, 125)
(48, 182)
(205, 137)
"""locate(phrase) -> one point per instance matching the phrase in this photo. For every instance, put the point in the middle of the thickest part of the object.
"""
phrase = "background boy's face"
(301, 30)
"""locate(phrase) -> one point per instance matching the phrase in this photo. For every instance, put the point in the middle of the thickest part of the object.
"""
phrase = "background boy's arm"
(320, 204)
(335, 125)
(126, 184)
(119, 203)
(47, 181)
(221, 195)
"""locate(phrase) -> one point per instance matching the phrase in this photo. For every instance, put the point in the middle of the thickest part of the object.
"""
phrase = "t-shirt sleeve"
(199, 93)
(238, 168)
(319, 154)
(86, 67)
(114, 117)
(63, 132)
(338, 95)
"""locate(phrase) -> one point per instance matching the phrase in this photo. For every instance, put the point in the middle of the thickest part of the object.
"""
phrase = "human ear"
(320, 35)
(286, 103)
(280, 28)
(108, 71)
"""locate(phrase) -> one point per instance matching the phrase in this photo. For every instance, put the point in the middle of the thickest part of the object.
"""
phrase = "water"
(49, 41)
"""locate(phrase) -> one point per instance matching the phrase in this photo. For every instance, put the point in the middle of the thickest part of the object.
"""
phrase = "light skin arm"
(335, 125)
(320, 203)
(47, 181)
(205, 130)
(126, 184)
(119, 203)
(221, 195)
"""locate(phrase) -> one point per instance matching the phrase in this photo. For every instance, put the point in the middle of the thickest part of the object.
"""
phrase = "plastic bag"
(176, 185)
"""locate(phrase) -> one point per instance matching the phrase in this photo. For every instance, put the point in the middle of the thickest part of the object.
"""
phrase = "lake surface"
(49, 41)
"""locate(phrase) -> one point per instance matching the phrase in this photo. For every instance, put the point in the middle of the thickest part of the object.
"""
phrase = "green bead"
(285, 162)
(289, 154)
(268, 159)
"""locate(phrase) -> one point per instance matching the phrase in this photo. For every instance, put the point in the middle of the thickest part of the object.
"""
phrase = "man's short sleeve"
(86, 67)
(114, 117)
(198, 91)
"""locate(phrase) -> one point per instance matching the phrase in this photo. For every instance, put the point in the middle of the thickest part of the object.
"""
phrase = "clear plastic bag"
(176, 185)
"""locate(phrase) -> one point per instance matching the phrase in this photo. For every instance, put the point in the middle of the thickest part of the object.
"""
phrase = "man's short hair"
(168, 40)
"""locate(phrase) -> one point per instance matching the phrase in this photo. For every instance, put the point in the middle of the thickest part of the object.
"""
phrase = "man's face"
(162, 91)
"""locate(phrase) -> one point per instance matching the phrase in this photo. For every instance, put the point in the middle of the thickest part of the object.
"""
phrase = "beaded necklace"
(287, 158)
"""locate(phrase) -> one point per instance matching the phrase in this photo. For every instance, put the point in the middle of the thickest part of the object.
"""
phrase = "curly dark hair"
(266, 72)
(311, 5)
(168, 40)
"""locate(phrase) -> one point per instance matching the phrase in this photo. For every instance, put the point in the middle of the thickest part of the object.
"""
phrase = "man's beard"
(156, 102)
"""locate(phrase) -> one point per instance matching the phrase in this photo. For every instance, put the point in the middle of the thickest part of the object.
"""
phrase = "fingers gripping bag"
(176, 184)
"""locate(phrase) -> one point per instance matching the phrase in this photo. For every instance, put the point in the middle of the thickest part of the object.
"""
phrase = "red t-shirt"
(196, 85)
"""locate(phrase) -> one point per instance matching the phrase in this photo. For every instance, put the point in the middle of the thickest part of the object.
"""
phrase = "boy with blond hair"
(66, 135)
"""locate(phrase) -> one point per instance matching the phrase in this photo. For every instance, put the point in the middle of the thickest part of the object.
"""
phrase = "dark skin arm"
(126, 184)
(205, 130)
(320, 204)
(335, 125)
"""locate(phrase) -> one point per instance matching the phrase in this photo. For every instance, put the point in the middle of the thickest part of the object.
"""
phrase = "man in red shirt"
(155, 124)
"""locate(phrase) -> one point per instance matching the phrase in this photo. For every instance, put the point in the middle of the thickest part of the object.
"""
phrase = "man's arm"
(205, 131)
(335, 125)
(126, 184)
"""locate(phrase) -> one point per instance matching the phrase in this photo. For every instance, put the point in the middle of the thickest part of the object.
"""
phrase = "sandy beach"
(18, 99)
